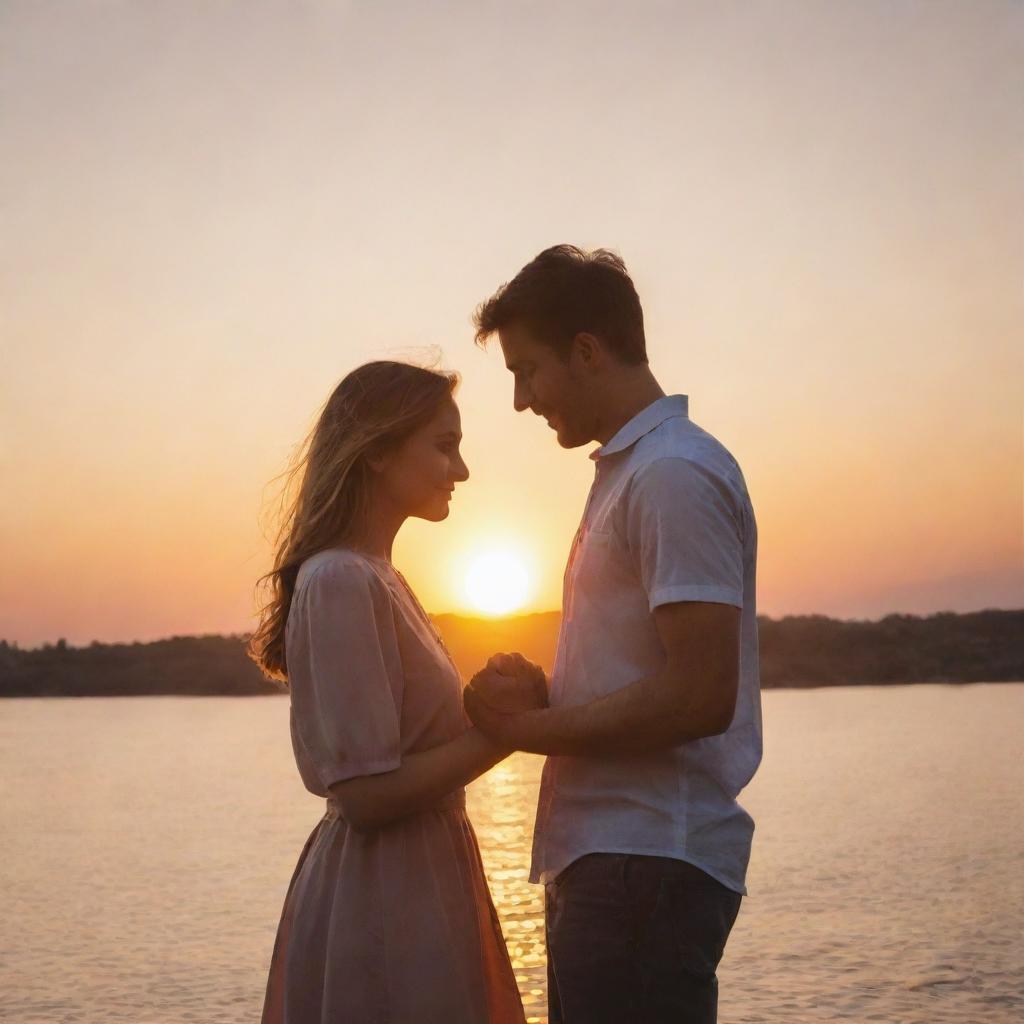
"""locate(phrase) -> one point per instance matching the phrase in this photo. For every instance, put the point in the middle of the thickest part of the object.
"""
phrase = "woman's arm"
(369, 802)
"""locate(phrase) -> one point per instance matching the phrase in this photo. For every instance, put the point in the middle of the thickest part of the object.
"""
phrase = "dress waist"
(455, 800)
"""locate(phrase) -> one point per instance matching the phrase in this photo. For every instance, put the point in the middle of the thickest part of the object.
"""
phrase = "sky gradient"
(213, 211)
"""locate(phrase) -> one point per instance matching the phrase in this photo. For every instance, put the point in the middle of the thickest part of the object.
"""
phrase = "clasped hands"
(499, 693)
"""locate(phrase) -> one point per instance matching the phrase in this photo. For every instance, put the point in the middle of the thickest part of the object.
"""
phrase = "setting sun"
(497, 582)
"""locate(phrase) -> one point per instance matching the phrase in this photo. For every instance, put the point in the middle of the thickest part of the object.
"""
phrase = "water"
(147, 844)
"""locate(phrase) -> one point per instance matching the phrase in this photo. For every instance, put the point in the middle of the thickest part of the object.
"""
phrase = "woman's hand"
(509, 684)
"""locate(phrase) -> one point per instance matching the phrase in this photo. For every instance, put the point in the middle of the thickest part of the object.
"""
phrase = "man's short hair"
(566, 291)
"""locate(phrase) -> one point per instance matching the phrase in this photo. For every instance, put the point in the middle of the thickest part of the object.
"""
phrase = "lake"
(147, 844)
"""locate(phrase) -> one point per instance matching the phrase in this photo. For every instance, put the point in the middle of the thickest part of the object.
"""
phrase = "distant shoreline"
(282, 694)
(797, 652)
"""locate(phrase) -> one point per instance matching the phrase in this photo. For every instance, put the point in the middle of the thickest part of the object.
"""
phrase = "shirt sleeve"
(344, 674)
(684, 532)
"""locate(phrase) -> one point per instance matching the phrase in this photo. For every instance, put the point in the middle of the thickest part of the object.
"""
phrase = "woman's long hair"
(326, 488)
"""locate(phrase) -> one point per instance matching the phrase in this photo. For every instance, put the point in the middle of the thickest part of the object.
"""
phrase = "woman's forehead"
(447, 418)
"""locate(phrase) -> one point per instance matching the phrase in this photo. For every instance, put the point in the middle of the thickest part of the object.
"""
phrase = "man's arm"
(693, 696)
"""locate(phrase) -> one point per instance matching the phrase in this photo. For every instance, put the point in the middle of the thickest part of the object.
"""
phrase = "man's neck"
(630, 393)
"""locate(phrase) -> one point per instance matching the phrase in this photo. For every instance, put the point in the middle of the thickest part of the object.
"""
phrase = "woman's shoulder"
(341, 572)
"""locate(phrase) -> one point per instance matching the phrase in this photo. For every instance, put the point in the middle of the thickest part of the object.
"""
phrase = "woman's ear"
(377, 458)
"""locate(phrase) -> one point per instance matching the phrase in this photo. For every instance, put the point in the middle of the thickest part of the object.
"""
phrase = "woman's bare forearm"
(373, 801)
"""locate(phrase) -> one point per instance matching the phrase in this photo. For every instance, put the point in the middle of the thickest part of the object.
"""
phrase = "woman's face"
(419, 476)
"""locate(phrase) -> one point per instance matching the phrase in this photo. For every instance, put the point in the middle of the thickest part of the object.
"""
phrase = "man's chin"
(566, 440)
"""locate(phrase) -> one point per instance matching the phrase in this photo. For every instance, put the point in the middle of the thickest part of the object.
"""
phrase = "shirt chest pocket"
(602, 559)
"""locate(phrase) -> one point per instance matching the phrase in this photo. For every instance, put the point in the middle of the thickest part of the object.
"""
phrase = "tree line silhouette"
(796, 651)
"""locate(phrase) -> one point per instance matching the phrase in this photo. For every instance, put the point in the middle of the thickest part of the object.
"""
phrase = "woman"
(388, 917)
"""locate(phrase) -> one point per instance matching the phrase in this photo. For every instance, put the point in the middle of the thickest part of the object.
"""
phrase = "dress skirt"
(394, 926)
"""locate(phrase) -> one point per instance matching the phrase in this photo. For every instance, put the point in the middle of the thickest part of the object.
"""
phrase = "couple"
(651, 719)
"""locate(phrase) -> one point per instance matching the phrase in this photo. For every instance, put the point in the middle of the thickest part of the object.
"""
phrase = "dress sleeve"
(684, 531)
(344, 673)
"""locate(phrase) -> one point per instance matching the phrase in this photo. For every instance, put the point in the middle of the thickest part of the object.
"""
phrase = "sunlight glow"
(497, 582)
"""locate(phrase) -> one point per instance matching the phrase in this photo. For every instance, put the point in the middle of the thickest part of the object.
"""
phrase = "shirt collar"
(644, 422)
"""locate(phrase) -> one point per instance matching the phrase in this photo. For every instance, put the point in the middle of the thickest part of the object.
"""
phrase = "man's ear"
(588, 350)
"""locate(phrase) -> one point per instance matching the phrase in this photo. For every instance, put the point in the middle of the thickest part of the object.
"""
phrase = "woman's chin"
(434, 515)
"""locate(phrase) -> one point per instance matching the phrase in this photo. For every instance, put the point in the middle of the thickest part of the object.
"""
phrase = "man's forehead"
(518, 345)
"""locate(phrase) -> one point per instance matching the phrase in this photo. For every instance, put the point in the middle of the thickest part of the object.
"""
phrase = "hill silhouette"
(798, 651)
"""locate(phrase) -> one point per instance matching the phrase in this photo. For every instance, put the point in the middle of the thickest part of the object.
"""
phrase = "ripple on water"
(144, 869)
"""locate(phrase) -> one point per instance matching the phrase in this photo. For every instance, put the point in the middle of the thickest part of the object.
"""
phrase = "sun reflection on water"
(501, 807)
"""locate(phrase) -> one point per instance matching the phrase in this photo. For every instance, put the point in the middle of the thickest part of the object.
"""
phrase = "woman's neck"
(376, 535)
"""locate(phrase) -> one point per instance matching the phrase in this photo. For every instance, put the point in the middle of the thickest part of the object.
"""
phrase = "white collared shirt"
(668, 519)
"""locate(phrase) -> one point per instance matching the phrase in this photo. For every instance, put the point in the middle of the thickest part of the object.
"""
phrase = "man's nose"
(461, 473)
(521, 397)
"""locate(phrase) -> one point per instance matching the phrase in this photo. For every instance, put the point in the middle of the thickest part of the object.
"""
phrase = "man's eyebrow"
(450, 433)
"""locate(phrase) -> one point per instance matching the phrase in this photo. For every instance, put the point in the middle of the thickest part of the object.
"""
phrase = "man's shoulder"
(683, 466)
(683, 440)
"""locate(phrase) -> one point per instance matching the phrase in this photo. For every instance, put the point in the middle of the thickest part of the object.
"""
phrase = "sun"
(497, 582)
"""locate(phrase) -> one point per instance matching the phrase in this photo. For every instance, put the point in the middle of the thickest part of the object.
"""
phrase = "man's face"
(548, 385)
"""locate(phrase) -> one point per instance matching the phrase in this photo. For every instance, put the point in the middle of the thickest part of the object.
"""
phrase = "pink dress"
(394, 926)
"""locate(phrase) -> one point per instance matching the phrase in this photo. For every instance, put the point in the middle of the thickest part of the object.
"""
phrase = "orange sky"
(212, 212)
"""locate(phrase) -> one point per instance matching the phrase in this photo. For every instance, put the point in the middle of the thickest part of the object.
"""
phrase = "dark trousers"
(635, 940)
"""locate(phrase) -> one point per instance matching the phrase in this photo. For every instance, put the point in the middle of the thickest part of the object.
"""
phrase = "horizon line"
(51, 644)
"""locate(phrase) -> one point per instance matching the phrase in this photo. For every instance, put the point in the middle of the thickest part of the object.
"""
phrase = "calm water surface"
(147, 844)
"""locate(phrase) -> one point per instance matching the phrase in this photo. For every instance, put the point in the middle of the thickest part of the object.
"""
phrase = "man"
(654, 723)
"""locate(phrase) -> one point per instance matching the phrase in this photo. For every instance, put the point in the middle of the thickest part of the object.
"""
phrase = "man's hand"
(501, 691)
(509, 683)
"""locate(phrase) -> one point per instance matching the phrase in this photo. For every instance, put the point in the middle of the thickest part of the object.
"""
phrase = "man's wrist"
(490, 746)
(528, 730)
